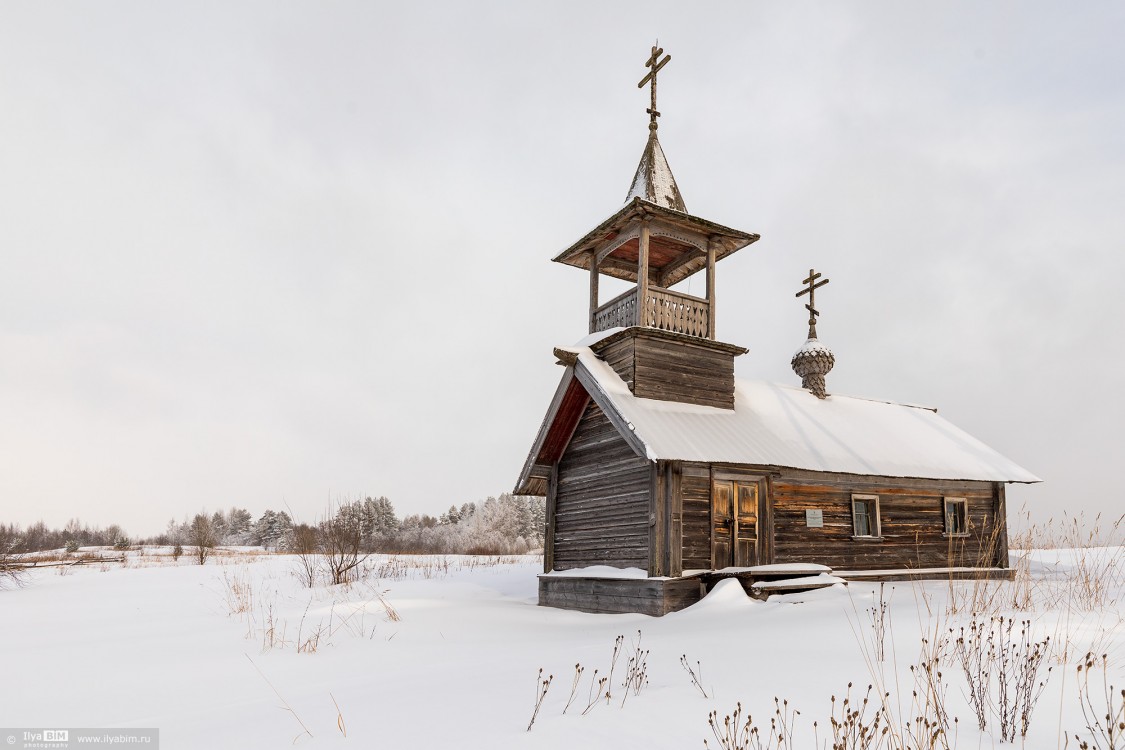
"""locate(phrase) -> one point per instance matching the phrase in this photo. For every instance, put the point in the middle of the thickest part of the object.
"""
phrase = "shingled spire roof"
(653, 181)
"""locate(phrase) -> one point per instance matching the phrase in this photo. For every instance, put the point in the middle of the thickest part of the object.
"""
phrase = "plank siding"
(911, 516)
(601, 499)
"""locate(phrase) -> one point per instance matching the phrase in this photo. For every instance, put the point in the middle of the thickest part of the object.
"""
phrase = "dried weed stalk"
(1103, 709)
(541, 687)
(696, 674)
(1002, 672)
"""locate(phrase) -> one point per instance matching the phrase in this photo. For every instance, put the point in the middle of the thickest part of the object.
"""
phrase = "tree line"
(508, 524)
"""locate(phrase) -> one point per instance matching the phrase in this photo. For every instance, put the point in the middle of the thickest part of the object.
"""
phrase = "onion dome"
(812, 362)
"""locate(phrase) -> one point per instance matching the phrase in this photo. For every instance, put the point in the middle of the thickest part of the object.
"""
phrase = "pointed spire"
(653, 181)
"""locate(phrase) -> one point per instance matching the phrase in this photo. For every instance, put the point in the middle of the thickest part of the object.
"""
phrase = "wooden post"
(657, 541)
(642, 275)
(765, 522)
(711, 288)
(1000, 512)
(549, 531)
(676, 519)
(593, 288)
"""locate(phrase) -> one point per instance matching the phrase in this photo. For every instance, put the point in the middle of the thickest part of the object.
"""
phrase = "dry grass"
(1090, 581)
(1088, 578)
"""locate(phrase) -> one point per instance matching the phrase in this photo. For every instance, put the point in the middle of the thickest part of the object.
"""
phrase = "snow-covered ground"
(445, 652)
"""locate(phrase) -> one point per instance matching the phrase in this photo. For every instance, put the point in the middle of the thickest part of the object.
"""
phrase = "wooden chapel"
(663, 473)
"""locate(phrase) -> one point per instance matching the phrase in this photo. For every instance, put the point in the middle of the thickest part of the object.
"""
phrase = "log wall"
(911, 515)
(672, 369)
(601, 500)
(648, 596)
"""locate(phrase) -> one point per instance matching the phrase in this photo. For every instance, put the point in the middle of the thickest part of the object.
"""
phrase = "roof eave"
(730, 240)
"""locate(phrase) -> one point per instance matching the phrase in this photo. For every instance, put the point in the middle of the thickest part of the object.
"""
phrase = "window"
(956, 516)
(865, 516)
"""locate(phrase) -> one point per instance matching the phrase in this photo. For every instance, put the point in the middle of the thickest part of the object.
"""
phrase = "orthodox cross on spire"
(813, 285)
(655, 63)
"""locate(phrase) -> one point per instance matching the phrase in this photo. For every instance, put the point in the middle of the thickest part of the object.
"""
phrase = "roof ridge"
(873, 400)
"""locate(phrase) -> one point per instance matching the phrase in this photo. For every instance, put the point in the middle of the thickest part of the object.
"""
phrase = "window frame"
(947, 530)
(876, 526)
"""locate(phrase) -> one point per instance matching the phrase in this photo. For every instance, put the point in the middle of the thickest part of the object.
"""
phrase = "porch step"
(760, 581)
(803, 583)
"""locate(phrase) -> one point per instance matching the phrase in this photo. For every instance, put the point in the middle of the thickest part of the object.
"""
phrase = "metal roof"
(786, 426)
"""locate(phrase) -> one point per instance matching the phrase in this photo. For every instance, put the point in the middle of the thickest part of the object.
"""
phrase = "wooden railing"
(621, 311)
(680, 313)
(663, 309)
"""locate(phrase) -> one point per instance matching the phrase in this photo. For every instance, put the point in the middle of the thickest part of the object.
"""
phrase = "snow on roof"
(653, 181)
(813, 346)
(781, 425)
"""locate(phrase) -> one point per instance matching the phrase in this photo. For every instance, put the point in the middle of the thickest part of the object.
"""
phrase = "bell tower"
(668, 348)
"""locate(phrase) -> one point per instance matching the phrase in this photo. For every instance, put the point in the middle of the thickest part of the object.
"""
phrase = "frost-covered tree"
(450, 517)
(219, 526)
(379, 520)
(239, 526)
(272, 530)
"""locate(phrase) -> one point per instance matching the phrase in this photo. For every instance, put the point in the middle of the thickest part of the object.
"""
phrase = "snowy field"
(433, 652)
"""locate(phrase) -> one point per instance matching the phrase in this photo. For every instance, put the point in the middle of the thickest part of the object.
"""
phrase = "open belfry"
(664, 474)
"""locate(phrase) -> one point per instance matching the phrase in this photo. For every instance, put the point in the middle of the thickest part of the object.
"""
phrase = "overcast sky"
(276, 254)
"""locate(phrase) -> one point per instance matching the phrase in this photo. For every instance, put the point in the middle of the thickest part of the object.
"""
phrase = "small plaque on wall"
(814, 519)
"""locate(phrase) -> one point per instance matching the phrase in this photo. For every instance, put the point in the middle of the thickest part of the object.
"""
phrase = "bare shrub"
(12, 571)
(305, 545)
(201, 534)
(1002, 672)
(928, 725)
(636, 670)
(857, 726)
(341, 538)
(733, 733)
(1103, 707)
(924, 722)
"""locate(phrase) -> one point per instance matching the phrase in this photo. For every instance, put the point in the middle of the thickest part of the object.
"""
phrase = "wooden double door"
(734, 522)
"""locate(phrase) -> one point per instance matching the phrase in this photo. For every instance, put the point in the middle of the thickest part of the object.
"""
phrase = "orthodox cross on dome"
(813, 285)
(655, 63)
